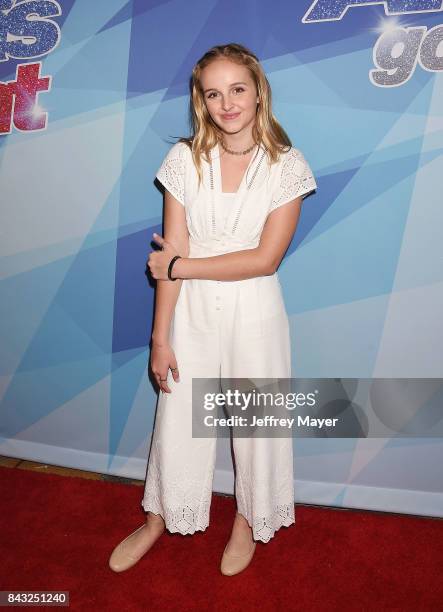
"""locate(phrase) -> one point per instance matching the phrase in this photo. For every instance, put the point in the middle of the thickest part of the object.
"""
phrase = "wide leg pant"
(233, 329)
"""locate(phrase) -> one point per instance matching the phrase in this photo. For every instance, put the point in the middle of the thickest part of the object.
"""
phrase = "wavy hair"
(205, 134)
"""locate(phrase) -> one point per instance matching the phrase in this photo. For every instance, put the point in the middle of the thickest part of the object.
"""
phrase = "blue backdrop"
(91, 95)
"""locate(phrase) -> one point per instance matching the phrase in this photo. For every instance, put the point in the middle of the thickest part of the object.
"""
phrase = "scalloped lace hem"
(182, 520)
(265, 528)
(186, 521)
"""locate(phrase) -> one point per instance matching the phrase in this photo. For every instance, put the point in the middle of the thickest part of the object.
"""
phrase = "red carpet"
(58, 532)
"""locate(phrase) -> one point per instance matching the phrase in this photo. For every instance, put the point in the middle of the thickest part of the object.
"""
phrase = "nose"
(226, 104)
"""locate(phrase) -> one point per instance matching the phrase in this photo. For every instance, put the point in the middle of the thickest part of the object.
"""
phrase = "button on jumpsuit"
(228, 329)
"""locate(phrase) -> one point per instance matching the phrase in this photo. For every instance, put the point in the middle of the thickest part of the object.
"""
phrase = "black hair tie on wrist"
(171, 263)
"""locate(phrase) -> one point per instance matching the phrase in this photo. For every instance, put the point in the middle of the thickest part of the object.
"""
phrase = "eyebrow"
(231, 85)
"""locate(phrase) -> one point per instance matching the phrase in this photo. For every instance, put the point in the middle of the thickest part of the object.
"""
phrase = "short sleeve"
(295, 179)
(171, 173)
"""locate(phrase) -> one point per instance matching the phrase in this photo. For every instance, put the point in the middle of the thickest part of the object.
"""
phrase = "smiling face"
(230, 95)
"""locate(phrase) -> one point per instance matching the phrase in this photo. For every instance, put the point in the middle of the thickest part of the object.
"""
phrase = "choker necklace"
(236, 152)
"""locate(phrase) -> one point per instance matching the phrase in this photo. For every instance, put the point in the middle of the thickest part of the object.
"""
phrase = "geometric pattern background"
(362, 279)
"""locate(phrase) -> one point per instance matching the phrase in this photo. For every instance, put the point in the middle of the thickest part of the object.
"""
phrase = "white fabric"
(228, 201)
(233, 329)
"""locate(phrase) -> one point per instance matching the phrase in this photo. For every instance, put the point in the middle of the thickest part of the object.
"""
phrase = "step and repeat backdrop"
(92, 96)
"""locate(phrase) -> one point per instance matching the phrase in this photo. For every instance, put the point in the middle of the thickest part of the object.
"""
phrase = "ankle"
(240, 517)
(241, 528)
(155, 520)
(241, 521)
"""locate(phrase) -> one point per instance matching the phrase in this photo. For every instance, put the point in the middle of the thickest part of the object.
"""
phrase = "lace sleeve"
(296, 179)
(171, 173)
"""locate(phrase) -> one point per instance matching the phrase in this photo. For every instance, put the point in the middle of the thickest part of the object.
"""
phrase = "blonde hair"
(206, 134)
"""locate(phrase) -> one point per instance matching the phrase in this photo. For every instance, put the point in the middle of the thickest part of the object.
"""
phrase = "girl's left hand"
(158, 261)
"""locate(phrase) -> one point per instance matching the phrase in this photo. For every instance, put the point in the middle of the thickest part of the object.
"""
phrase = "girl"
(232, 202)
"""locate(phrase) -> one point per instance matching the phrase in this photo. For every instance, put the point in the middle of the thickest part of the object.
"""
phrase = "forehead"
(224, 72)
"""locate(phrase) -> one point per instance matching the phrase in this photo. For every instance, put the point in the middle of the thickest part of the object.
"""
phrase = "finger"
(160, 382)
(164, 383)
(158, 239)
(175, 372)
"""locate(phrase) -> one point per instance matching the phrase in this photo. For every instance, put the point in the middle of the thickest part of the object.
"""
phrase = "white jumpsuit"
(232, 329)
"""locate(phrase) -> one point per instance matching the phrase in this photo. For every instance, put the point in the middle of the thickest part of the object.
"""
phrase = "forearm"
(165, 302)
(238, 265)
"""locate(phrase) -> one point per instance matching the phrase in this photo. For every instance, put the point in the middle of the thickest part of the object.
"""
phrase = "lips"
(232, 116)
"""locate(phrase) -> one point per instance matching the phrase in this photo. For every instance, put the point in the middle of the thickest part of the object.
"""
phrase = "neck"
(238, 142)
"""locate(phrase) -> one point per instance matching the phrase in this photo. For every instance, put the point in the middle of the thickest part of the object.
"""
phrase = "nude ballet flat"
(234, 564)
(122, 558)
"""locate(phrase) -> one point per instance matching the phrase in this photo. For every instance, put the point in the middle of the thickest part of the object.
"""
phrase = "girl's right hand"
(163, 358)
